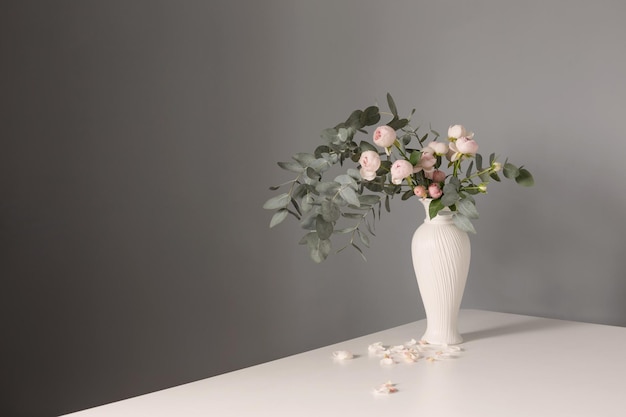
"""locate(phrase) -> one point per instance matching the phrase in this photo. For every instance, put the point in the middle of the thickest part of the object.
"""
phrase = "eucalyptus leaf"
(323, 228)
(510, 171)
(385, 167)
(434, 207)
(277, 202)
(342, 134)
(329, 187)
(484, 176)
(329, 134)
(278, 217)
(525, 178)
(330, 211)
(308, 223)
(320, 150)
(479, 162)
(397, 124)
(392, 105)
(304, 158)
(291, 166)
(349, 195)
(407, 194)
(463, 222)
(320, 164)
(318, 248)
(354, 121)
(306, 204)
(346, 180)
(364, 238)
(373, 185)
(470, 198)
(370, 228)
(359, 250)
(366, 146)
(313, 174)
(469, 169)
(295, 205)
(467, 208)
(449, 198)
(369, 199)
(370, 116)
(451, 188)
(354, 174)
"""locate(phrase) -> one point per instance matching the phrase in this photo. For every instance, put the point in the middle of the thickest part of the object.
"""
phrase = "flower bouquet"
(401, 162)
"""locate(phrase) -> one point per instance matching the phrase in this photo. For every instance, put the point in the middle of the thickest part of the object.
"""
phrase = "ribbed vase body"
(441, 257)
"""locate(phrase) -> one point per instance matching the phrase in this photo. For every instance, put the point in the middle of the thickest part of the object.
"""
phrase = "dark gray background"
(139, 139)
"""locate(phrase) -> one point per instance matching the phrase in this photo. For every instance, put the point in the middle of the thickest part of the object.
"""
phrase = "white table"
(511, 365)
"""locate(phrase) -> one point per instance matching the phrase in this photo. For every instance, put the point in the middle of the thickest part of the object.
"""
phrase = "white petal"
(386, 388)
(376, 349)
(342, 355)
(386, 361)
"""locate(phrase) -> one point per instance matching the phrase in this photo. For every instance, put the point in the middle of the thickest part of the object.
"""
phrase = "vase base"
(442, 341)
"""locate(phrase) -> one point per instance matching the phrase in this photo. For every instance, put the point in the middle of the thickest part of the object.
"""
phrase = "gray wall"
(139, 139)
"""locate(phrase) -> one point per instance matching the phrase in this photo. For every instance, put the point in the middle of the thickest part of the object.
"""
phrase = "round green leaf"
(525, 178)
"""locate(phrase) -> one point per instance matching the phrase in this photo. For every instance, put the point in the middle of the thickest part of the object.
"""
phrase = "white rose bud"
(456, 131)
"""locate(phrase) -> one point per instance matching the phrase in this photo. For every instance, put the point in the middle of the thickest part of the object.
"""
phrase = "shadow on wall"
(561, 256)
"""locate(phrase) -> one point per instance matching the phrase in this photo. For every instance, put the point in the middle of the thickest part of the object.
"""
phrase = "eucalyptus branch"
(320, 204)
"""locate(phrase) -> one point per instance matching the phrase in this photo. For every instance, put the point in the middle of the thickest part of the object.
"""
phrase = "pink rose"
(438, 148)
(428, 173)
(384, 136)
(456, 131)
(400, 170)
(439, 176)
(434, 191)
(370, 160)
(462, 146)
(428, 159)
(426, 163)
(466, 145)
(367, 175)
(420, 191)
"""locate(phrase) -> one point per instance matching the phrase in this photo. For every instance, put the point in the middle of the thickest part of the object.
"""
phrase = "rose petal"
(377, 349)
(386, 361)
(411, 342)
(386, 388)
(342, 355)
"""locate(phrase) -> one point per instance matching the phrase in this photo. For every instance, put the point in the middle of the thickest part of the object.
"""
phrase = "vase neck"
(443, 217)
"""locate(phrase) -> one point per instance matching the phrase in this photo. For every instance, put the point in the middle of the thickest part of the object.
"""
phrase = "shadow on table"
(529, 325)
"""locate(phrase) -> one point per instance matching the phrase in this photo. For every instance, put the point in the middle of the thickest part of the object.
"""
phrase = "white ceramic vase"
(441, 257)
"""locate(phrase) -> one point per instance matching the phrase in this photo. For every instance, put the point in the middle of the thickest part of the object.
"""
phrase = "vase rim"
(444, 215)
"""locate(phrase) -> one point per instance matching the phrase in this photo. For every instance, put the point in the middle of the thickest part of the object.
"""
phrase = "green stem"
(478, 173)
